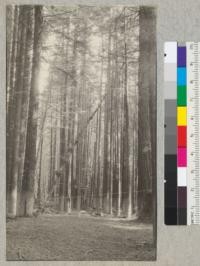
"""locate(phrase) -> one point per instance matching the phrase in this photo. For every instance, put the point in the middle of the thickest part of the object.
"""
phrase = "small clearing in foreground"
(73, 237)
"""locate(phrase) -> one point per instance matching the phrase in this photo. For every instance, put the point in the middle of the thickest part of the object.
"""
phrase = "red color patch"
(182, 136)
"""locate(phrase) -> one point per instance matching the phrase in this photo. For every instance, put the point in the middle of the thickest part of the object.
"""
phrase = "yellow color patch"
(182, 116)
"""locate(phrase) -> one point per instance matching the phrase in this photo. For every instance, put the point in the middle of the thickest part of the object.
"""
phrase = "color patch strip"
(170, 85)
(181, 136)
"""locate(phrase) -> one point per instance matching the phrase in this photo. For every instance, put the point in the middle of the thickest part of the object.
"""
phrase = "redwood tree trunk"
(24, 37)
(146, 134)
(27, 202)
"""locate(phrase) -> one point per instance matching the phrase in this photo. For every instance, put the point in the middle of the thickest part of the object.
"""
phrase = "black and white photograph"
(81, 133)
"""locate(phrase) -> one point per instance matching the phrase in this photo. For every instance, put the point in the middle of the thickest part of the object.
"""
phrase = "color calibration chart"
(182, 133)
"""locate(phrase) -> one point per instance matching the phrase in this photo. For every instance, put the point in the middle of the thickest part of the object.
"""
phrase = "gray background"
(177, 20)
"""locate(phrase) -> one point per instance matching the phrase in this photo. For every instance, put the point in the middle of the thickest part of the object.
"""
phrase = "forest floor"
(73, 237)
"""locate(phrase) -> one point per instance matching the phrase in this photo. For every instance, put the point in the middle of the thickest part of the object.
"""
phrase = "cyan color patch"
(181, 76)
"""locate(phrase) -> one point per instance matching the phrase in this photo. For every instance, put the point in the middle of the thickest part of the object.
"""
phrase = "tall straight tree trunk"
(96, 165)
(53, 168)
(51, 172)
(78, 155)
(11, 53)
(146, 170)
(111, 147)
(69, 190)
(125, 176)
(99, 172)
(39, 194)
(13, 56)
(28, 182)
(25, 90)
(10, 24)
(152, 111)
(119, 170)
(106, 176)
(20, 60)
(126, 184)
(81, 117)
(63, 183)
(74, 119)
(135, 153)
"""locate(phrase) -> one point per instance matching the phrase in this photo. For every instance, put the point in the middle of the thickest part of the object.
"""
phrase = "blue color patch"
(181, 56)
(181, 76)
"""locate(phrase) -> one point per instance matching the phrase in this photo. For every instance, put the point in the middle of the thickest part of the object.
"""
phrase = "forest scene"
(81, 133)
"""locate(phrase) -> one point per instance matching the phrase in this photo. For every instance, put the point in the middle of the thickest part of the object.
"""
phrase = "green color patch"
(181, 96)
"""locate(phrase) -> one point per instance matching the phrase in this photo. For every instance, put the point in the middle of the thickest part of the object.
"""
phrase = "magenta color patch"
(182, 157)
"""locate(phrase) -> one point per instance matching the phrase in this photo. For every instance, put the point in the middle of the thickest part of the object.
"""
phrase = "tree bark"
(27, 202)
(64, 168)
(146, 171)
(106, 133)
(23, 39)
(12, 57)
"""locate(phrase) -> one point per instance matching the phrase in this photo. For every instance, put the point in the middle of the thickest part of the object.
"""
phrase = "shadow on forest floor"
(83, 237)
